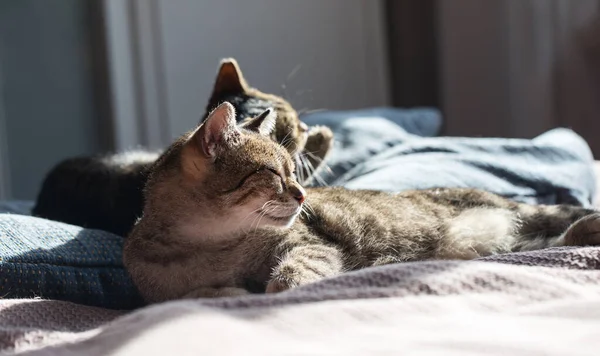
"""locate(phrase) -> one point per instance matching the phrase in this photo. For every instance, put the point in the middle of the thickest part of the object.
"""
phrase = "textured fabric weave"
(434, 308)
(41, 258)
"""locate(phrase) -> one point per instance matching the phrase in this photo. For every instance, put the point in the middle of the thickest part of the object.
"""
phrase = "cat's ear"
(263, 123)
(230, 79)
(218, 130)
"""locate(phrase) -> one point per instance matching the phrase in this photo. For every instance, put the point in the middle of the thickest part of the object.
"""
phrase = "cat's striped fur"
(225, 216)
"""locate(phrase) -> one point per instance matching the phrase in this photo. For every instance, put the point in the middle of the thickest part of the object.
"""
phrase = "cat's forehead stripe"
(247, 106)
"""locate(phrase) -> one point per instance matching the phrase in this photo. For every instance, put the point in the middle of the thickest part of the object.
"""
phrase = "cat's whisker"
(254, 211)
(307, 167)
(249, 214)
(303, 91)
(257, 220)
(294, 72)
(257, 216)
(309, 205)
(305, 152)
(321, 165)
(313, 172)
(269, 202)
(307, 164)
(299, 169)
(315, 110)
(287, 79)
(252, 223)
(304, 169)
(313, 156)
(302, 111)
(320, 179)
(320, 161)
(305, 211)
(265, 212)
(286, 137)
(286, 140)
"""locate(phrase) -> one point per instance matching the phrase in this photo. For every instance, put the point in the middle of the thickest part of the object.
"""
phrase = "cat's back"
(368, 224)
(356, 203)
(102, 192)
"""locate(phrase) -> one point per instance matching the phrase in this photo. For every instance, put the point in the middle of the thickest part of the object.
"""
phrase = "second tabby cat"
(106, 192)
(225, 216)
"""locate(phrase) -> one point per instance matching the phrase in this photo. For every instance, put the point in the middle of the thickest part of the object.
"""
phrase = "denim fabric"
(392, 150)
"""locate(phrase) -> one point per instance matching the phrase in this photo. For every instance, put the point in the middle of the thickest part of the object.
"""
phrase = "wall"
(47, 88)
(163, 57)
(318, 54)
(519, 67)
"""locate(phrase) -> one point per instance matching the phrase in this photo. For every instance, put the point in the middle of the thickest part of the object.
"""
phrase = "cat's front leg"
(318, 144)
(305, 264)
(209, 292)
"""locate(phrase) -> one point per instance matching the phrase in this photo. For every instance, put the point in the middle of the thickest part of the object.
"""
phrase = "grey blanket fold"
(429, 308)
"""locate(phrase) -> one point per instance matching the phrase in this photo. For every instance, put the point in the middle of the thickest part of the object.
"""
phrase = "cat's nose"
(298, 193)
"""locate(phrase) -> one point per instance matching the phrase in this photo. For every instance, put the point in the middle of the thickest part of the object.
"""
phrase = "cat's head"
(249, 102)
(224, 178)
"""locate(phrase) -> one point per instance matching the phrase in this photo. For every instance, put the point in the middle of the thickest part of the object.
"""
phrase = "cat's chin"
(283, 221)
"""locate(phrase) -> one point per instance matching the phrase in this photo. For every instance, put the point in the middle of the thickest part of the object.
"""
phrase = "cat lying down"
(224, 215)
(105, 192)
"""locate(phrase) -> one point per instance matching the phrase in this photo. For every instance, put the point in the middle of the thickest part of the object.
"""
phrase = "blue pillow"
(47, 259)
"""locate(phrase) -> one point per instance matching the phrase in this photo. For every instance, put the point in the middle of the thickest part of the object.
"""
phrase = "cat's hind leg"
(482, 231)
(584, 232)
(477, 232)
(556, 225)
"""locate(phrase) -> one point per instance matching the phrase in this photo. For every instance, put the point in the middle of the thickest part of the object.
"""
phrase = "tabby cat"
(225, 216)
(106, 192)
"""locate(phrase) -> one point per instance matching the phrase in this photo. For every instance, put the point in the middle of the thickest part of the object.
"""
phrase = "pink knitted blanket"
(544, 302)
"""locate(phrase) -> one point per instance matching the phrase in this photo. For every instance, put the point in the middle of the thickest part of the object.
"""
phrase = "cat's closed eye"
(271, 170)
(275, 172)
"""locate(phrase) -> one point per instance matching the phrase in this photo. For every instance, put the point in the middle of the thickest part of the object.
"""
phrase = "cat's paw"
(277, 286)
(284, 278)
(319, 141)
(584, 232)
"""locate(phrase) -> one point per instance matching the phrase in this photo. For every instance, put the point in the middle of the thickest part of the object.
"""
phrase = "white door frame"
(137, 70)
(5, 179)
(136, 74)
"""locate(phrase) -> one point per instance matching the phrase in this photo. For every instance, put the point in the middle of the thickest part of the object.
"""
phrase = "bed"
(66, 292)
